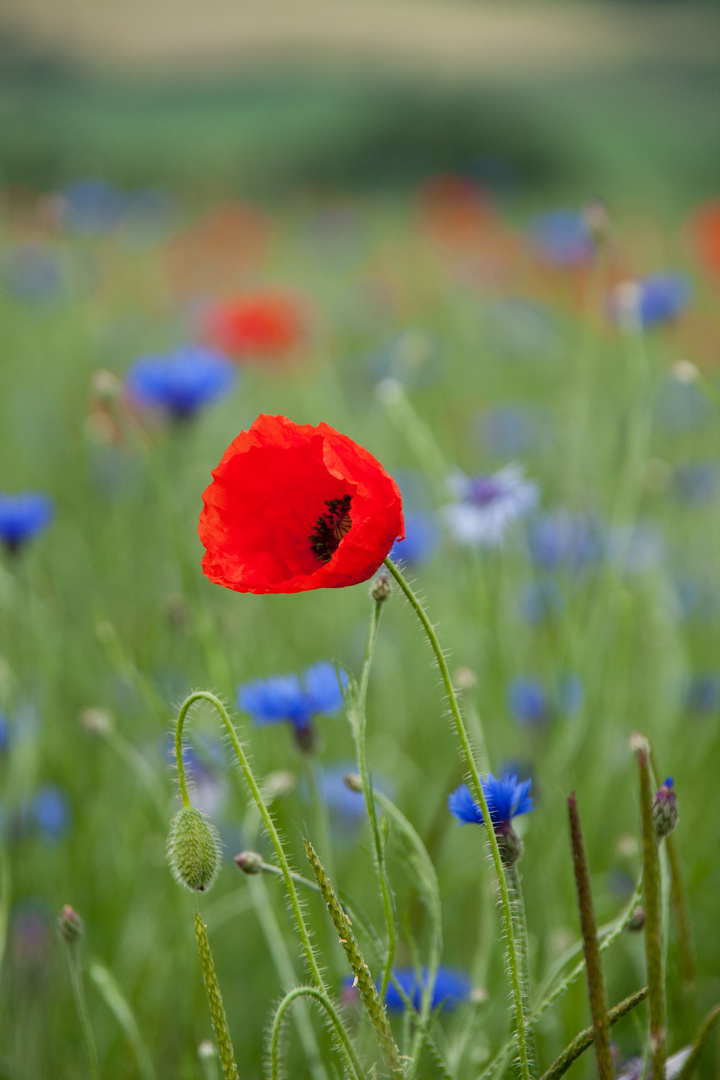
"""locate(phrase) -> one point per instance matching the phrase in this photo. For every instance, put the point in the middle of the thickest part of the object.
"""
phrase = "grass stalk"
(81, 1006)
(593, 964)
(586, 1038)
(215, 1001)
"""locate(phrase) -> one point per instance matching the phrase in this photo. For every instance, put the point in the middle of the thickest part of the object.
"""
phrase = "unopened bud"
(636, 922)
(353, 781)
(665, 809)
(510, 844)
(277, 784)
(684, 371)
(193, 850)
(249, 862)
(381, 589)
(70, 925)
(206, 1051)
(105, 386)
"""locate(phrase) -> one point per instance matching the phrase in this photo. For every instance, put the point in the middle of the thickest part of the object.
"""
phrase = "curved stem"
(359, 722)
(322, 999)
(521, 1021)
(309, 951)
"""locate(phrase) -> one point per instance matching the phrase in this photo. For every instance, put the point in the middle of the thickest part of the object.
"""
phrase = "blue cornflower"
(450, 989)
(528, 701)
(506, 799)
(487, 505)
(655, 299)
(421, 537)
(181, 382)
(295, 699)
(562, 237)
(558, 539)
(23, 516)
(50, 812)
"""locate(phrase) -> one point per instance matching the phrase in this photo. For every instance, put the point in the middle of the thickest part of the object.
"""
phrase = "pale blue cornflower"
(486, 506)
(22, 517)
(181, 382)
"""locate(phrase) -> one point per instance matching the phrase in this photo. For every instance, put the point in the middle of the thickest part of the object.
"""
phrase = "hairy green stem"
(593, 963)
(611, 932)
(585, 1039)
(653, 931)
(522, 1022)
(304, 934)
(82, 1008)
(521, 936)
(363, 979)
(215, 1001)
(359, 724)
(322, 999)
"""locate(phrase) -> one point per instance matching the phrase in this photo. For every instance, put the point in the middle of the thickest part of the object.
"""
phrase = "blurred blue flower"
(697, 482)
(519, 328)
(50, 812)
(23, 516)
(450, 990)
(4, 732)
(32, 272)
(562, 238)
(181, 382)
(93, 206)
(295, 699)
(421, 538)
(560, 539)
(650, 300)
(507, 430)
(528, 701)
(539, 600)
(506, 799)
(703, 693)
(487, 505)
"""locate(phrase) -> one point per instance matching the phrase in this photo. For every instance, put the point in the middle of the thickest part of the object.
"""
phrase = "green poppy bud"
(193, 850)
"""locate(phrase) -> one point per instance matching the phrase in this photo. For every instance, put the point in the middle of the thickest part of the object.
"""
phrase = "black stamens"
(330, 527)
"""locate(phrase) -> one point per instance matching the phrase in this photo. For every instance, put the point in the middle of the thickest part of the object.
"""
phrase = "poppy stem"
(522, 1021)
(308, 949)
(335, 1021)
(359, 723)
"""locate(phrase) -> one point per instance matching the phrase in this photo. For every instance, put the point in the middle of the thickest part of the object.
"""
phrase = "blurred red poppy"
(294, 507)
(268, 325)
(704, 234)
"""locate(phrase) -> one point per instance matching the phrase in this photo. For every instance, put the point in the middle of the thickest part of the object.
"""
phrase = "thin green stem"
(585, 1039)
(82, 1009)
(322, 999)
(521, 1021)
(593, 964)
(116, 1002)
(520, 922)
(653, 930)
(215, 1001)
(359, 724)
(611, 932)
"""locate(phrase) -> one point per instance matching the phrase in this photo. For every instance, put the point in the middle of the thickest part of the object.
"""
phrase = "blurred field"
(501, 356)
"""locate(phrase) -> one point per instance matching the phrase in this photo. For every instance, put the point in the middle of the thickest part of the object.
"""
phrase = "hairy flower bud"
(70, 925)
(636, 922)
(665, 809)
(193, 850)
(381, 589)
(249, 862)
(510, 844)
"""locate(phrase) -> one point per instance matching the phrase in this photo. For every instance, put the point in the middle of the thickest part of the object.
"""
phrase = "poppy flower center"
(330, 528)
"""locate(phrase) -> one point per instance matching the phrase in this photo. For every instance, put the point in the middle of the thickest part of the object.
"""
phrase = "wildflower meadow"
(359, 635)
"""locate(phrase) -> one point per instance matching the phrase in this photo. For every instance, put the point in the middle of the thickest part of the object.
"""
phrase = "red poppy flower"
(295, 507)
(265, 325)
